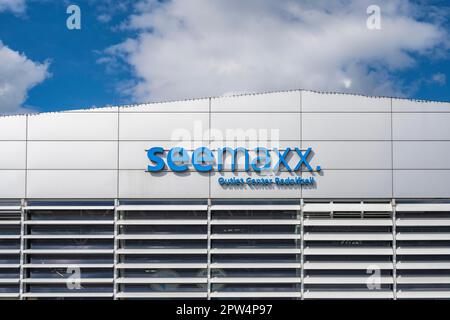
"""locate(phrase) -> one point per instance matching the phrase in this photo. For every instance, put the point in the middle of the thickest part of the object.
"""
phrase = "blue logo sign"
(205, 160)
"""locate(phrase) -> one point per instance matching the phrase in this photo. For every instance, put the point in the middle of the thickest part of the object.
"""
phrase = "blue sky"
(136, 51)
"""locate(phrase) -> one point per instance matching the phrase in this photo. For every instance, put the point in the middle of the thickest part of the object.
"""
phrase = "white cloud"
(18, 75)
(106, 10)
(15, 6)
(189, 48)
(439, 78)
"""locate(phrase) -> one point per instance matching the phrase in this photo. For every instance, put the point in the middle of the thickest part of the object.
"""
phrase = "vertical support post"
(208, 273)
(394, 248)
(22, 271)
(302, 253)
(116, 247)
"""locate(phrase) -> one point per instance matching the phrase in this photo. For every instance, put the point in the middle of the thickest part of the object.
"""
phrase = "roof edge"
(224, 96)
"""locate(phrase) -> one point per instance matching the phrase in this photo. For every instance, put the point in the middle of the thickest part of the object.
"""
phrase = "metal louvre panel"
(10, 216)
(423, 250)
(348, 250)
(68, 250)
(175, 249)
(255, 251)
(162, 251)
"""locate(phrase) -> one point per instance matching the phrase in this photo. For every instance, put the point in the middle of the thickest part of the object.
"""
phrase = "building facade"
(290, 195)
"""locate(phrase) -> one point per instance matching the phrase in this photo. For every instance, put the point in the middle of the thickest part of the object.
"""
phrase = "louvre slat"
(9, 295)
(335, 279)
(254, 265)
(430, 222)
(256, 236)
(347, 236)
(258, 294)
(65, 236)
(162, 207)
(347, 222)
(422, 236)
(423, 207)
(426, 265)
(162, 236)
(162, 251)
(68, 208)
(67, 295)
(256, 280)
(161, 295)
(67, 251)
(6, 237)
(423, 280)
(347, 265)
(63, 281)
(162, 222)
(9, 251)
(255, 222)
(431, 294)
(423, 251)
(349, 295)
(9, 281)
(350, 207)
(67, 265)
(162, 280)
(348, 251)
(161, 265)
(9, 265)
(255, 207)
(10, 208)
(256, 251)
(68, 222)
(9, 222)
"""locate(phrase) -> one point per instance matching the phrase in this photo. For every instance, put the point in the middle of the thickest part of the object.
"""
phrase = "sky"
(148, 50)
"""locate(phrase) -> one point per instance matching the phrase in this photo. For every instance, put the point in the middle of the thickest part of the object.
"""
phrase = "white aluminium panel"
(346, 126)
(12, 184)
(71, 184)
(12, 154)
(72, 155)
(422, 183)
(141, 184)
(422, 154)
(197, 105)
(255, 126)
(350, 184)
(351, 154)
(13, 127)
(288, 101)
(421, 126)
(335, 102)
(246, 191)
(406, 105)
(73, 126)
(164, 126)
